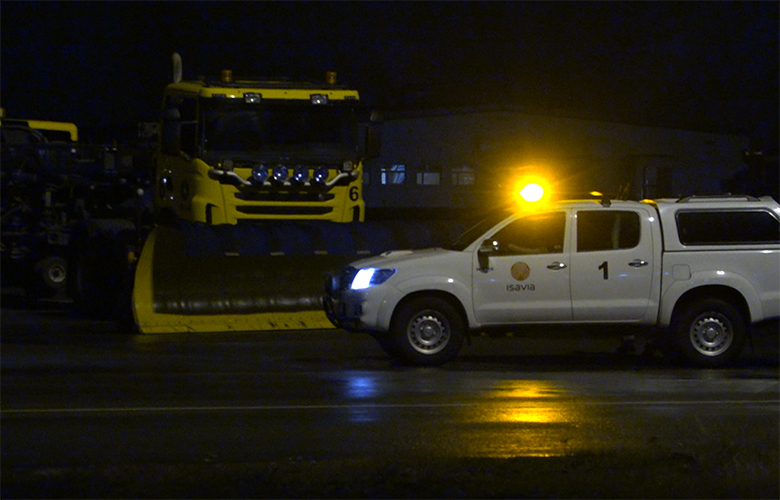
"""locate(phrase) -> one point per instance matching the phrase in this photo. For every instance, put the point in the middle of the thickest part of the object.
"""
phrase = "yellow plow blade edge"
(187, 283)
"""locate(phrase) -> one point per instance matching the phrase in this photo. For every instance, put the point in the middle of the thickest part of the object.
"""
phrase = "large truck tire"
(49, 280)
(100, 275)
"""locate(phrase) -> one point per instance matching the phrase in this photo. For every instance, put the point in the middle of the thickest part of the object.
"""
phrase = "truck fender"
(442, 284)
(707, 284)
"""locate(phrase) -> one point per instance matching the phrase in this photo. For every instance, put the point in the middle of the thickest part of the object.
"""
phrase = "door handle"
(556, 265)
(638, 263)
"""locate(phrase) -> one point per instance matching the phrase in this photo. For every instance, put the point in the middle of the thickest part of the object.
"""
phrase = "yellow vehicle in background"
(51, 183)
(257, 183)
(240, 150)
(49, 130)
(34, 218)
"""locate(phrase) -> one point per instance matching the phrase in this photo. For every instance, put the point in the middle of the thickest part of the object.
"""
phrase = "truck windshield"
(285, 127)
(480, 228)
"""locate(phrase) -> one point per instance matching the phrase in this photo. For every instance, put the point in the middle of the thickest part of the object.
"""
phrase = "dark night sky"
(709, 66)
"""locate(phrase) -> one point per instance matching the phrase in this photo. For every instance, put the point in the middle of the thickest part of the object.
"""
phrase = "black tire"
(387, 344)
(710, 333)
(426, 331)
(50, 277)
(101, 280)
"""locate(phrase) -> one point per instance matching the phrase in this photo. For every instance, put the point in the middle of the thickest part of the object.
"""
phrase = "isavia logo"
(520, 271)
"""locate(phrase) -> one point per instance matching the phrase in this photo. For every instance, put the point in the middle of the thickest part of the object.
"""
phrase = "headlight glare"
(370, 276)
(319, 99)
(301, 174)
(281, 173)
(259, 174)
(321, 175)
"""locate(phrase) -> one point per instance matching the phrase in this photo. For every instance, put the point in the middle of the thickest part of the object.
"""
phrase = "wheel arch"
(722, 292)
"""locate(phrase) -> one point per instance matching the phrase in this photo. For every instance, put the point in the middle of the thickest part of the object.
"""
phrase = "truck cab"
(238, 150)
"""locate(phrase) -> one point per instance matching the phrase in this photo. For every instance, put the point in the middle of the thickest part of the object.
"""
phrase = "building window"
(394, 174)
(463, 176)
(428, 178)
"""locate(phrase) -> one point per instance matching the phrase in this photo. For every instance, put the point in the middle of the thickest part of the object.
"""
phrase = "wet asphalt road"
(92, 411)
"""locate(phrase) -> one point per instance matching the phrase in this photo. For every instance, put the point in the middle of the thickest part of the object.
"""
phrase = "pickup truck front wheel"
(710, 333)
(427, 331)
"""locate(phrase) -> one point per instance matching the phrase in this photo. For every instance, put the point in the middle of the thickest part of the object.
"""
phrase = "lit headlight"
(301, 174)
(281, 173)
(319, 99)
(321, 175)
(370, 277)
(259, 174)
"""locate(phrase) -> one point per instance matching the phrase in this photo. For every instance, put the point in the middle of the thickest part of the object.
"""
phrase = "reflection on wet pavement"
(528, 418)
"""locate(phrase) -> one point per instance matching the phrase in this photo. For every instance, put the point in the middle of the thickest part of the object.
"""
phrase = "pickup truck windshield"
(278, 127)
(480, 228)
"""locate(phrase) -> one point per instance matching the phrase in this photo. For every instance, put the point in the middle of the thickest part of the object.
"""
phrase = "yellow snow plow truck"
(257, 197)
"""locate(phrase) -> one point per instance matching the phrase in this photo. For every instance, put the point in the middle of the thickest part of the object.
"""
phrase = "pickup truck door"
(612, 264)
(527, 277)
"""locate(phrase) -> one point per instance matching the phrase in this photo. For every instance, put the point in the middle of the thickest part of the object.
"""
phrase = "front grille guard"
(339, 282)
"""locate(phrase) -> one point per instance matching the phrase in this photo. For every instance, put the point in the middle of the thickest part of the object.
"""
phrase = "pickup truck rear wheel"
(711, 333)
(427, 331)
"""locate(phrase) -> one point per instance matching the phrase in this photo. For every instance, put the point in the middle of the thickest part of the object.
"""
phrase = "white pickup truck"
(702, 269)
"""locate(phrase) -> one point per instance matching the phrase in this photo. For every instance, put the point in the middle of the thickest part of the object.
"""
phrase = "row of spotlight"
(282, 174)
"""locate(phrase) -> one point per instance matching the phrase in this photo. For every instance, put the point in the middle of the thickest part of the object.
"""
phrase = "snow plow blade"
(192, 277)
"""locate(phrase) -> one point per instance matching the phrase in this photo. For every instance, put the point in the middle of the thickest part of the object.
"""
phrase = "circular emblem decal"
(520, 271)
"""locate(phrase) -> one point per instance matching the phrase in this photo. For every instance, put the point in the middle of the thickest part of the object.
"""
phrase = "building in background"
(471, 157)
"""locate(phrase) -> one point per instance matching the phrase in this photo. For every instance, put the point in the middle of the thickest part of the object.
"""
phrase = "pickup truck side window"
(535, 234)
(722, 227)
(607, 230)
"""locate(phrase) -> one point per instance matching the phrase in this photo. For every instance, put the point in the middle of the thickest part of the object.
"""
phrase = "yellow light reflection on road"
(532, 419)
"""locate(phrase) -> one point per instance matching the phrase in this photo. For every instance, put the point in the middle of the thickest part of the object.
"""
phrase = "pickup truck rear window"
(727, 227)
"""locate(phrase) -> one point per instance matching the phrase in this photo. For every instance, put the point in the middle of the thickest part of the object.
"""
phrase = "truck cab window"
(607, 230)
(179, 127)
(535, 234)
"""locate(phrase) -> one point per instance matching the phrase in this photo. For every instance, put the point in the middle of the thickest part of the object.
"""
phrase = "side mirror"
(170, 138)
(486, 249)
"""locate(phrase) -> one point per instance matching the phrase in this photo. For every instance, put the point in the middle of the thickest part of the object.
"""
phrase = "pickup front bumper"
(343, 313)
